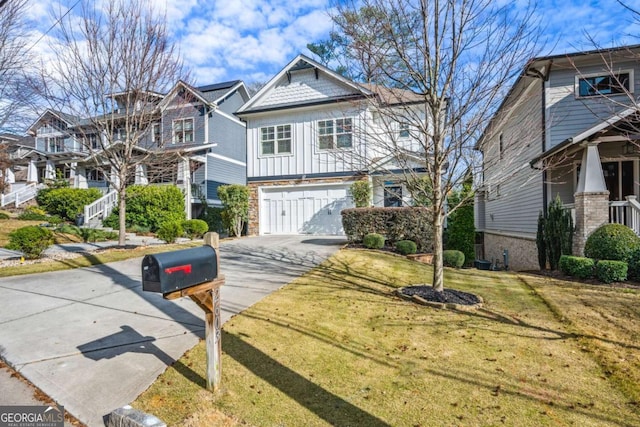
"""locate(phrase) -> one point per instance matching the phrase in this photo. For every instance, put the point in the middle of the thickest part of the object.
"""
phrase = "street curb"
(129, 417)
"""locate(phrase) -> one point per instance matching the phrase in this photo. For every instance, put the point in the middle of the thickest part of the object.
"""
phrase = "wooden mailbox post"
(207, 296)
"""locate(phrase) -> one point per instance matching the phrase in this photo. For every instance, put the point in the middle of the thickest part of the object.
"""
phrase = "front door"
(618, 177)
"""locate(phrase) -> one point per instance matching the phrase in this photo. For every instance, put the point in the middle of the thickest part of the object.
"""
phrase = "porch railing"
(101, 208)
(626, 212)
(20, 196)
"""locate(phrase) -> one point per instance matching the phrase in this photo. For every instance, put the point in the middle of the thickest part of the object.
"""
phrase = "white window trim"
(578, 77)
(335, 135)
(275, 141)
(153, 132)
(173, 130)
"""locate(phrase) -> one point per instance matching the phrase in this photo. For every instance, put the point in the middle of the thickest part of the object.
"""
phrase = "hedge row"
(395, 224)
(606, 271)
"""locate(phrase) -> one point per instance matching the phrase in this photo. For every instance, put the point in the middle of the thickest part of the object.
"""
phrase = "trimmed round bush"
(169, 231)
(406, 247)
(608, 271)
(373, 241)
(611, 242)
(4, 215)
(452, 258)
(576, 266)
(194, 228)
(30, 240)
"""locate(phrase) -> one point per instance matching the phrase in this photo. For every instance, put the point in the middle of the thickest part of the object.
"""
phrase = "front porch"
(598, 180)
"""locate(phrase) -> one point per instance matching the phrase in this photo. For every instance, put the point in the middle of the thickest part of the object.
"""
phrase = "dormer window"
(604, 84)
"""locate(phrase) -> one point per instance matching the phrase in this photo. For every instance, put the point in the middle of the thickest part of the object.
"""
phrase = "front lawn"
(336, 347)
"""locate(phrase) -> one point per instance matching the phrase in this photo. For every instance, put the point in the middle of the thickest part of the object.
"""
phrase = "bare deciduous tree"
(111, 67)
(16, 95)
(448, 65)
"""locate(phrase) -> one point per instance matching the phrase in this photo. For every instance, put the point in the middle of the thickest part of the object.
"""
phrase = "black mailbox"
(173, 271)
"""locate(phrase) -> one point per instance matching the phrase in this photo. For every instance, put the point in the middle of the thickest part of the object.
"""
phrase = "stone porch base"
(523, 253)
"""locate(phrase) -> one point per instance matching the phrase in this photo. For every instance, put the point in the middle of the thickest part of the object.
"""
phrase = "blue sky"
(253, 39)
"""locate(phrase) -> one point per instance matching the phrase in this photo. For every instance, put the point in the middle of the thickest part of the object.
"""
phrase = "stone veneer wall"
(523, 253)
(254, 201)
(592, 210)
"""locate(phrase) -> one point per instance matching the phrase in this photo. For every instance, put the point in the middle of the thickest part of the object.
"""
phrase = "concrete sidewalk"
(93, 341)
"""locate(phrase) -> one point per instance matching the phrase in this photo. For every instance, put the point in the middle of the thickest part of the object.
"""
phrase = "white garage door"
(304, 211)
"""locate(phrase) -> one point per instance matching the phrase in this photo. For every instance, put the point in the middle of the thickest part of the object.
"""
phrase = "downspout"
(545, 195)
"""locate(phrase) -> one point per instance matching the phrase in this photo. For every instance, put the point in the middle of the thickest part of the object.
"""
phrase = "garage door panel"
(308, 211)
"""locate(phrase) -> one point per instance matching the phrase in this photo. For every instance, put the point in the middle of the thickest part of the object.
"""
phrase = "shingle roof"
(213, 92)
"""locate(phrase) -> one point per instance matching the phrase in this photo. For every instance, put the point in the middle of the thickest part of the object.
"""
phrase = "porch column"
(32, 172)
(141, 174)
(591, 198)
(184, 182)
(50, 170)
(80, 178)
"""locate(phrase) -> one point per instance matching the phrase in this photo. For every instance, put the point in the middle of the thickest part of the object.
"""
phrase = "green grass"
(106, 256)
(336, 347)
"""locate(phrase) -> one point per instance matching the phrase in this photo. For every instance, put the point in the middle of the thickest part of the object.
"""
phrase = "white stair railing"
(633, 215)
(20, 196)
(101, 208)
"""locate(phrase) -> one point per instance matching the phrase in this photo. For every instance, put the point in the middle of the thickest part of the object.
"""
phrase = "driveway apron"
(93, 341)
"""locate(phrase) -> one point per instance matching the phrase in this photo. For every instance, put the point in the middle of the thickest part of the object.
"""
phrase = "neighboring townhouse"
(13, 148)
(310, 136)
(195, 142)
(568, 128)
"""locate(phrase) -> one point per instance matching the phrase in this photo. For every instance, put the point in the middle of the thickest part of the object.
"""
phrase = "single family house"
(568, 128)
(312, 133)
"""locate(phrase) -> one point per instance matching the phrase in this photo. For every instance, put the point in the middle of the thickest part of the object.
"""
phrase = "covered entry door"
(618, 177)
(304, 211)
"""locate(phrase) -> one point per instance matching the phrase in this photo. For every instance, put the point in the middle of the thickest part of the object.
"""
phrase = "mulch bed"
(447, 296)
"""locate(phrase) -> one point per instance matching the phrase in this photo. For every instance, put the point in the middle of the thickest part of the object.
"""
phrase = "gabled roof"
(600, 127)
(301, 62)
(540, 67)
(69, 119)
(181, 85)
(209, 95)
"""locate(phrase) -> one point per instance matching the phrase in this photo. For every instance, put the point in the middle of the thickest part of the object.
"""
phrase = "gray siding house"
(568, 129)
(195, 142)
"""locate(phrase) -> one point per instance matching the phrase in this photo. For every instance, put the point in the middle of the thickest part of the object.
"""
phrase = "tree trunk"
(438, 271)
(122, 206)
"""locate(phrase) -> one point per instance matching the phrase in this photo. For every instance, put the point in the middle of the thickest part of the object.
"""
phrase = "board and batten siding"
(567, 115)
(514, 191)
(305, 157)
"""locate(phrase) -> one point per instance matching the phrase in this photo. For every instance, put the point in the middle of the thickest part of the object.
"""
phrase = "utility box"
(173, 271)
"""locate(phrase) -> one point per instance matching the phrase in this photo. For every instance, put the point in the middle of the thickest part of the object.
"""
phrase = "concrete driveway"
(93, 341)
